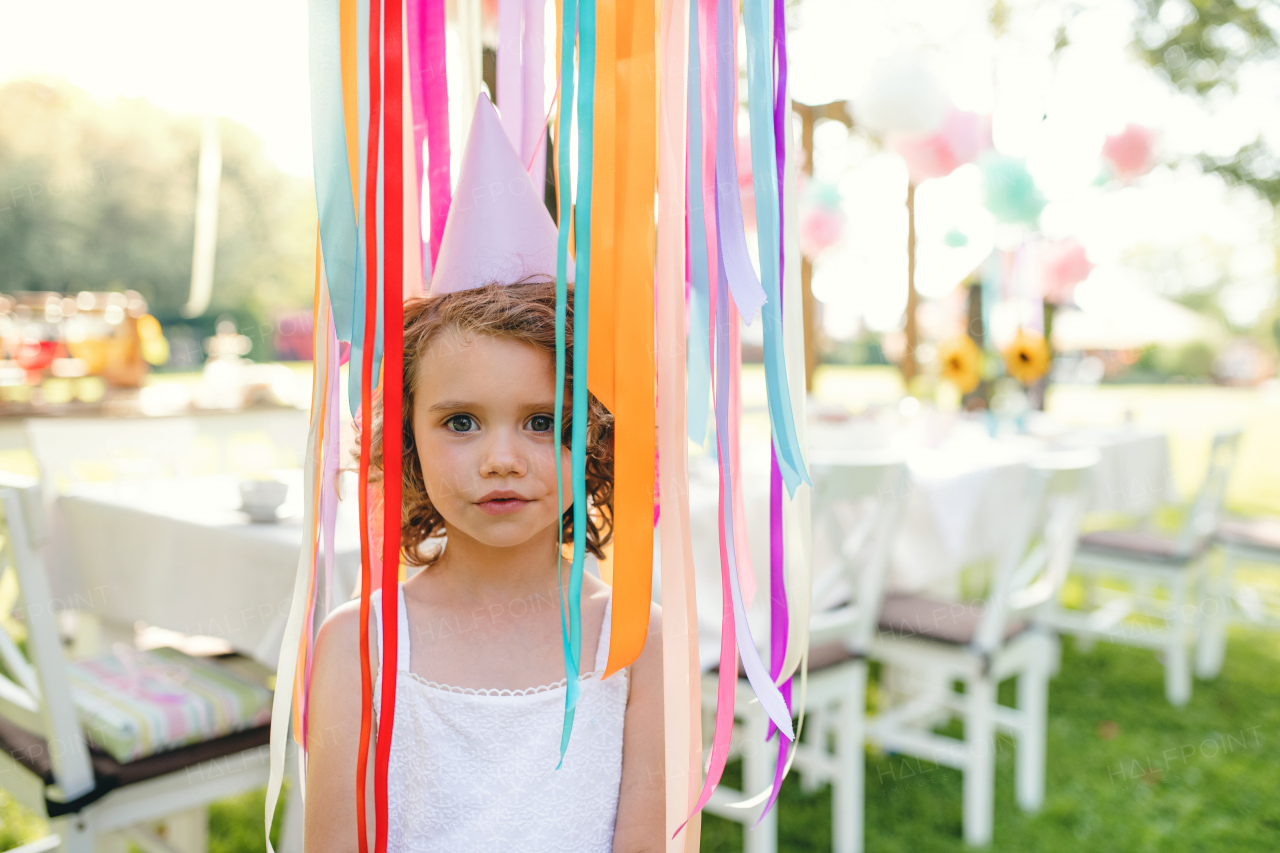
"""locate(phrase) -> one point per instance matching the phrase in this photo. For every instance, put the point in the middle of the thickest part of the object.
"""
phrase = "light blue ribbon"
(699, 388)
(568, 29)
(581, 325)
(764, 167)
(335, 204)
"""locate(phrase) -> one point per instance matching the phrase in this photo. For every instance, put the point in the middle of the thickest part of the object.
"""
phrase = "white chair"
(72, 451)
(1163, 574)
(79, 450)
(932, 644)
(857, 502)
(94, 803)
(1229, 600)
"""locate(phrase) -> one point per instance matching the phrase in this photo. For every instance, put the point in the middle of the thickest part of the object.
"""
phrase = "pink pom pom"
(1129, 153)
(1063, 265)
(820, 228)
(960, 139)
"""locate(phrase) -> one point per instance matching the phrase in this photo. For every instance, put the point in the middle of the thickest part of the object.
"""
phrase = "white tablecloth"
(178, 554)
(962, 484)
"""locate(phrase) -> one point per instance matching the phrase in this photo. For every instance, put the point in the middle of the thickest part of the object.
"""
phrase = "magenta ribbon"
(428, 80)
(779, 619)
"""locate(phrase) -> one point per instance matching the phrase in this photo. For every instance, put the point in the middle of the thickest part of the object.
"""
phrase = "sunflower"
(1027, 358)
(959, 360)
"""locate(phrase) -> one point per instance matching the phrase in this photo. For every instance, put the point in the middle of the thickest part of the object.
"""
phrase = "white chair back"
(38, 697)
(1042, 542)
(1206, 510)
(69, 451)
(857, 503)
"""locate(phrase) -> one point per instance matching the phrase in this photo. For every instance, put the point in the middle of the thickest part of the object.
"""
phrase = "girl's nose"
(501, 458)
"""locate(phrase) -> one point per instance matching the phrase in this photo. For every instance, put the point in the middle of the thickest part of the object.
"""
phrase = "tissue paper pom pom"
(902, 96)
(962, 137)
(1011, 192)
(1129, 152)
(1063, 265)
(820, 228)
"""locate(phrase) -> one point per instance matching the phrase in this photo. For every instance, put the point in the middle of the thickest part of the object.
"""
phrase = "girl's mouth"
(502, 506)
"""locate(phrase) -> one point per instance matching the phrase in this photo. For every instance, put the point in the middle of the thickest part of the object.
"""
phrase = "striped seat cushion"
(1261, 533)
(134, 703)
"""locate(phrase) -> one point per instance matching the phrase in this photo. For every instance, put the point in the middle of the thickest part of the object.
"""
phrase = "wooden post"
(909, 365)
(809, 115)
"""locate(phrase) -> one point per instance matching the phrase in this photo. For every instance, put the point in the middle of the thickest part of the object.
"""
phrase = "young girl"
(480, 693)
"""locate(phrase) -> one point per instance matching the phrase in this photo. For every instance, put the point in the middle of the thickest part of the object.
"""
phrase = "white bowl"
(261, 499)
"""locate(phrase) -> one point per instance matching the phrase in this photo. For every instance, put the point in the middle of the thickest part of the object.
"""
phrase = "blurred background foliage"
(101, 196)
(1205, 47)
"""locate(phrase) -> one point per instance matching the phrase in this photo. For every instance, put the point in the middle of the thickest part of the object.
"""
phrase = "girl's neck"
(475, 570)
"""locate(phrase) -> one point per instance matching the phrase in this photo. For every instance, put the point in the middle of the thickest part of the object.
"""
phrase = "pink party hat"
(498, 229)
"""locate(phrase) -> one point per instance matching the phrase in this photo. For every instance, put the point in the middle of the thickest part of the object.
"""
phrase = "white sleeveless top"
(475, 769)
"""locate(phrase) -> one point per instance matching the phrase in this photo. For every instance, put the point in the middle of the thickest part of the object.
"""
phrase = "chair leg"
(1211, 644)
(980, 764)
(76, 835)
(1086, 640)
(758, 757)
(847, 800)
(1177, 664)
(1033, 707)
(188, 831)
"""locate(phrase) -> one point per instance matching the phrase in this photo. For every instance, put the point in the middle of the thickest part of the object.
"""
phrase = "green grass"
(1126, 771)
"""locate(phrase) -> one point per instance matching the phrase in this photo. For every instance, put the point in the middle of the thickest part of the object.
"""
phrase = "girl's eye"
(460, 423)
(542, 423)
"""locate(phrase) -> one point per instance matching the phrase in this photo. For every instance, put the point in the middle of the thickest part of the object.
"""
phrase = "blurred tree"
(101, 196)
(1203, 47)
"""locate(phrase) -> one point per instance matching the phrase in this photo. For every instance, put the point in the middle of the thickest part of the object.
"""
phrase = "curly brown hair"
(525, 312)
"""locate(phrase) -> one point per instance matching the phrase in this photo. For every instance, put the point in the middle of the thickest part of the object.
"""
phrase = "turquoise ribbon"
(335, 204)
(699, 388)
(581, 325)
(764, 168)
(570, 625)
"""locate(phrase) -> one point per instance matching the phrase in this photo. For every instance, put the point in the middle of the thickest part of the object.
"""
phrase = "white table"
(962, 483)
(178, 554)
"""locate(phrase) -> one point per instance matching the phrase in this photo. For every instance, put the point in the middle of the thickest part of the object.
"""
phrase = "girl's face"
(483, 418)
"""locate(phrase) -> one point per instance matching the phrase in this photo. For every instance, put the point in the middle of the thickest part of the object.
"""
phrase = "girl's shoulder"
(338, 640)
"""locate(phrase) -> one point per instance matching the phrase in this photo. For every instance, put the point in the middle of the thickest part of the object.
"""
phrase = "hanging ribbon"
(533, 150)
(568, 28)
(757, 21)
(682, 717)
(392, 435)
(633, 333)
(699, 362)
(510, 78)
(285, 700)
(604, 203)
(332, 165)
(778, 613)
(433, 73)
(743, 282)
(572, 621)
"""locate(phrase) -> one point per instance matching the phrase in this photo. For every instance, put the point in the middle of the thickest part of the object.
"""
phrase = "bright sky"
(245, 59)
(248, 60)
